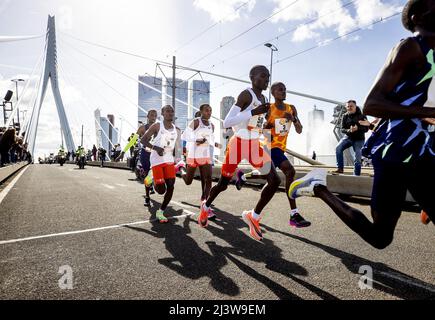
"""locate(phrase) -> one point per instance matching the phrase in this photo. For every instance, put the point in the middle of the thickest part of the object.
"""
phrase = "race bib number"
(282, 126)
(256, 123)
(169, 142)
(204, 134)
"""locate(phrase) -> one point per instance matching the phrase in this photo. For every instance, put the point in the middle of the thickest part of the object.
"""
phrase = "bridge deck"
(69, 208)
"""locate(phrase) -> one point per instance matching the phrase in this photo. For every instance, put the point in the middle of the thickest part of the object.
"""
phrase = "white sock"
(293, 212)
(205, 207)
(255, 215)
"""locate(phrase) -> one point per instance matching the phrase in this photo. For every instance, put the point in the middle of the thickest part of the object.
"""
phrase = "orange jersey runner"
(280, 125)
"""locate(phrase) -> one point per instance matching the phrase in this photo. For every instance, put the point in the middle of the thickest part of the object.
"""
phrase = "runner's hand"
(200, 141)
(160, 151)
(264, 108)
(289, 117)
(429, 120)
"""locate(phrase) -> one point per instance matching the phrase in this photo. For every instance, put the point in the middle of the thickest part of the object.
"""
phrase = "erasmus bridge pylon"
(50, 74)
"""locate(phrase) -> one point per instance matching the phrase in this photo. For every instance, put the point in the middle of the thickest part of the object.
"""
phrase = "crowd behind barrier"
(12, 147)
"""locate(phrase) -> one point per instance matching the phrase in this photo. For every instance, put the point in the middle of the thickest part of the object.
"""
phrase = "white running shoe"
(305, 185)
(179, 165)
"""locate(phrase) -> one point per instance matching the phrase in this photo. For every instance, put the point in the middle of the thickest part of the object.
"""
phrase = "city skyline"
(302, 70)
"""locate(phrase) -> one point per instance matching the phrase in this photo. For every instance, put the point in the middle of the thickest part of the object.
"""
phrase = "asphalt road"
(60, 218)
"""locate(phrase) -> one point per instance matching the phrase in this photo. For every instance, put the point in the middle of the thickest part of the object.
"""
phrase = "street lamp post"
(16, 90)
(272, 50)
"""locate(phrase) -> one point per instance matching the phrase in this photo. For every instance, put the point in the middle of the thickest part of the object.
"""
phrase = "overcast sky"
(339, 70)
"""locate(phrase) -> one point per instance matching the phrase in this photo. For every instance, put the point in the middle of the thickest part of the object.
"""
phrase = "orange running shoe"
(424, 217)
(254, 225)
(203, 216)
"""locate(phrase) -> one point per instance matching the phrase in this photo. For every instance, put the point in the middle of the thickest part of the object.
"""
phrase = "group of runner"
(401, 146)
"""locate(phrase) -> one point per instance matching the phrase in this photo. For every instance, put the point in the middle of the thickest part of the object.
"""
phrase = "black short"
(392, 180)
(145, 160)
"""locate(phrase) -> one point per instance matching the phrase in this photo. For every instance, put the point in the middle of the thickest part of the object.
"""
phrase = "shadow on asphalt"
(381, 282)
(188, 259)
(196, 263)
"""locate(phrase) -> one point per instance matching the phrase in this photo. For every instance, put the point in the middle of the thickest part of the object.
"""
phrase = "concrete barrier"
(344, 184)
(9, 170)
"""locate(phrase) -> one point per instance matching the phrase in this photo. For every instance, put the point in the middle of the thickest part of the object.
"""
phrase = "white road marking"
(121, 185)
(8, 188)
(108, 186)
(116, 226)
(408, 281)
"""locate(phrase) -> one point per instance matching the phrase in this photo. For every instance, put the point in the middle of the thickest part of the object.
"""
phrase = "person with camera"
(354, 136)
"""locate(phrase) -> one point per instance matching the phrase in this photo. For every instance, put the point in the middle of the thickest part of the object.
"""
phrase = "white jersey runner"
(165, 139)
(252, 128)
(202, 151)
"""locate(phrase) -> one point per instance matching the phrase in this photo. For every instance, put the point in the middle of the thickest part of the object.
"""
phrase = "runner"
(199, 136)
(279, 120)
(402, 146)
(247, 117)
(167, 140)
(144, 154)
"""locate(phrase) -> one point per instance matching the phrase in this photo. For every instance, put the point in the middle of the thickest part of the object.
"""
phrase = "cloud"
(330, 16)
(4, 4)
(225, 10)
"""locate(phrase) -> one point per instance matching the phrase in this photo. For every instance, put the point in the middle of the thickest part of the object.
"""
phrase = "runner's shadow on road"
(381, 281)
(187, 258)
(229, 228)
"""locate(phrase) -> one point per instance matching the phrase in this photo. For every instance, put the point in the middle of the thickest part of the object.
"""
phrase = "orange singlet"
(281, 126)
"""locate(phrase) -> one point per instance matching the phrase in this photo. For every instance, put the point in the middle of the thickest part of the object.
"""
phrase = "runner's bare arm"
(153, 130)
(404, 57)
(296, 121)
(237, 112)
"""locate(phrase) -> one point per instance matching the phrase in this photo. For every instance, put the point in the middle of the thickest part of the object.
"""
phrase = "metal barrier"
(343, 184)
(9, 170)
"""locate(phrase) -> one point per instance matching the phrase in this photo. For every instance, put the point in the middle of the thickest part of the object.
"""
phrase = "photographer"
(354, 136)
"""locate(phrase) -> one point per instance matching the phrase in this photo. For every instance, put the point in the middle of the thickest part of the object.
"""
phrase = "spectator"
(102, 153)
(314, 156)
(7, 140)
(354, 136)
(118, 151)
(94, 152)
(132, 147)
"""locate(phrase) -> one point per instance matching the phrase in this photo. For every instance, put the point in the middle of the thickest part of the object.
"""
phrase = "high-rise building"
(97, 115)
(105, 130)
(226, 104)
(226, 133)
(181, 94)
(149, 98)
(199, 94)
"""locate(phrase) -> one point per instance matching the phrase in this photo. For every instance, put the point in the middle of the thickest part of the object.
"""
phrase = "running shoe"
(211, 214)
(147, 202)
(148, 181)
(203, 216)
(254, 225)
(161, 217)
(152, 190)
(298, 221)
(181, 164)
(305, 185)
(424, 217)
(240, 179)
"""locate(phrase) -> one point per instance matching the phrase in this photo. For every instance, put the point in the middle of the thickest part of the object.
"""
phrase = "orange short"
(195, 163)
(162, 172)
(238, 149)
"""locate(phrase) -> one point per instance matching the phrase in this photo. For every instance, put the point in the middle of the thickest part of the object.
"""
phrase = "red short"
(238, 149)
(162, 172)
(195, 163)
